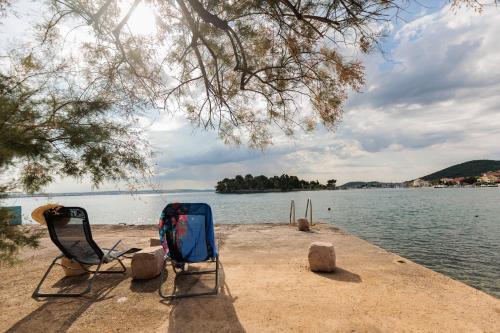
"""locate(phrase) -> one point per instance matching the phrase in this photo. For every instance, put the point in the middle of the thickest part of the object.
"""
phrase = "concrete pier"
(266, 286)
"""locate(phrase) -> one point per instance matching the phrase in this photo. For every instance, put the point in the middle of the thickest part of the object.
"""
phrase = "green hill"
(467, 169)
(373, 184)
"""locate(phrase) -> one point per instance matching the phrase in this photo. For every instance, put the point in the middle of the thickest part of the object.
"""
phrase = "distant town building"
(490, 177)
(420, 183)
(452, 181)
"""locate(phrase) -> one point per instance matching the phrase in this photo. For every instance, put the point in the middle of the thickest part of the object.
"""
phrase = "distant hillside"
(467, 169)
(74, 194)
(372, 184)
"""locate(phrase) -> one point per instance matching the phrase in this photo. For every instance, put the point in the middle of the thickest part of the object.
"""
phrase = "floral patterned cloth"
(186, 232)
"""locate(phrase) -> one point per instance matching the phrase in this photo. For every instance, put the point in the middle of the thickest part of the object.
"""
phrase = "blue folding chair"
(187, 236)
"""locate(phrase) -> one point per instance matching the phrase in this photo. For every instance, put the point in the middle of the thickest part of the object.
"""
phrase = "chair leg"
(214, 291)
(124, 269)
(162, 274)
(121, 271)
(36, 294)
(217, 274)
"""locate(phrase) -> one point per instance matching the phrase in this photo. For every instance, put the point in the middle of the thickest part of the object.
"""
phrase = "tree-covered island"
(283, 183)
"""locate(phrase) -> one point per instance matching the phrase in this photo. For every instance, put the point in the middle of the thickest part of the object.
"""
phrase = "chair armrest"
(112, 248)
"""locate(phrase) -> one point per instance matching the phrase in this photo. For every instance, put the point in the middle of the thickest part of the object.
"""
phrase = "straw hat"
(37, 213)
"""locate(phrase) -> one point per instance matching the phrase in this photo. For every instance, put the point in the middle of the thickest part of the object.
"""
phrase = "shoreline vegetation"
(273, 191)
(262, 184)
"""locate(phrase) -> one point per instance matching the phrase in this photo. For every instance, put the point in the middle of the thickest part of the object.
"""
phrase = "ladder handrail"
(309, 203)
(292, 212)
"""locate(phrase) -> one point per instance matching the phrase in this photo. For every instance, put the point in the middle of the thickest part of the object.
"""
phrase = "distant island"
(259, 184)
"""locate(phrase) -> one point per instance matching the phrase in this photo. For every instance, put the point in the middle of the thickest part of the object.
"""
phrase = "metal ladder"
(309, 208)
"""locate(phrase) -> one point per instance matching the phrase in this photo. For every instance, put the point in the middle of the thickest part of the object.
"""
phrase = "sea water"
(455, 231)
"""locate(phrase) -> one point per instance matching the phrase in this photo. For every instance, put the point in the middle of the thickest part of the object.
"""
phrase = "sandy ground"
(265, 287)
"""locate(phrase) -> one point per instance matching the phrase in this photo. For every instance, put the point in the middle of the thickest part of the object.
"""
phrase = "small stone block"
(303, 224)
(147, 263)
(72, 268)
(321, 257)
(154, 242)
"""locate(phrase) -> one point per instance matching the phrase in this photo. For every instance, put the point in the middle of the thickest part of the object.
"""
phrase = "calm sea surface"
(452, 231)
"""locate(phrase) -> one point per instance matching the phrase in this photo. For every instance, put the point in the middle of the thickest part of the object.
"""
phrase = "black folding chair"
(187, 231)
(69, 230)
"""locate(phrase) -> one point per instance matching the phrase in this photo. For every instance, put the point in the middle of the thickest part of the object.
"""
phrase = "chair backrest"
(187, 232)
(69, 230)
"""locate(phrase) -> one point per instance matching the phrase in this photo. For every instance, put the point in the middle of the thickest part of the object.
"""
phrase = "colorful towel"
(187, 232)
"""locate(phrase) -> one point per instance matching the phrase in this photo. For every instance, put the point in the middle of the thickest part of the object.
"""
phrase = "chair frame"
(183, 272)
(37, 293)
(179, 268)
(104, 258)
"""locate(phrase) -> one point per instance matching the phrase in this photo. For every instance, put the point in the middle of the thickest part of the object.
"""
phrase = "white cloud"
(435, 105)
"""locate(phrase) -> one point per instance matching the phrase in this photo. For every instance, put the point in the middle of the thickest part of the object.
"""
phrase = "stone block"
(147, 263)
(303, 224)
(154, 242)
(72, 268)
(321, 257)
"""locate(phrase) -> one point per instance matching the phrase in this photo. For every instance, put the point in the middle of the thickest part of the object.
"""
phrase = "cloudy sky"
(431, 101)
